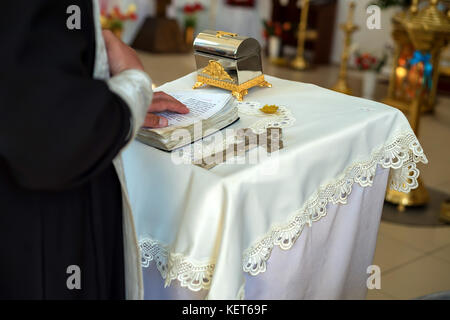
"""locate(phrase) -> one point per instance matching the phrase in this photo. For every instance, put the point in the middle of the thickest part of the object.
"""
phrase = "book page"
(202, 106)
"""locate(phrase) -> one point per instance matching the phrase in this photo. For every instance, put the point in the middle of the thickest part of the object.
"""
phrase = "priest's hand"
(120, 56)
(162, 102)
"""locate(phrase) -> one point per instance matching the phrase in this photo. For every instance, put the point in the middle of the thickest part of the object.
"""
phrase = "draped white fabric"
(204, 228)
(328, 261)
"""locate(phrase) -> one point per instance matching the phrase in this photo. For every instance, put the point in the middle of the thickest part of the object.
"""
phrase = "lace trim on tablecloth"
(191, 274)
(401, 155)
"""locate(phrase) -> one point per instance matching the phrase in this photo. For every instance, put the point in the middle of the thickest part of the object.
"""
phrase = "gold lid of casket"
(429, 28)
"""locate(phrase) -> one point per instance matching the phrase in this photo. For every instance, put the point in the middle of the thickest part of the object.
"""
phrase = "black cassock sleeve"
(58, 126)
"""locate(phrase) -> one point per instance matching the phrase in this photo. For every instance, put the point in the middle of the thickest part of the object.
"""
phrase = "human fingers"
(155, 121)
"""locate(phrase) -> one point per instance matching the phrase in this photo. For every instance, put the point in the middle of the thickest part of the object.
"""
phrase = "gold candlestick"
(348, 28)
(299, 62)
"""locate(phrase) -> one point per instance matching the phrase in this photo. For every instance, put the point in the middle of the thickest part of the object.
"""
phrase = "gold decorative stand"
(429, 31)
(299, 62)
(418, 196)
(348, 28)
(438, 24)
(238, 91)
(399, 72)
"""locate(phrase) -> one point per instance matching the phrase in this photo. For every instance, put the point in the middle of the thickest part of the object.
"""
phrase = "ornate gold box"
(229, 61)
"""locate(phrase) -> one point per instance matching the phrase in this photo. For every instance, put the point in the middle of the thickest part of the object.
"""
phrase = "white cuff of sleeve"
(135, 88)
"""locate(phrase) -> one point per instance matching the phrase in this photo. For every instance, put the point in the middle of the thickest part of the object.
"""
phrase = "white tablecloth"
(328, 261)
(209, 229)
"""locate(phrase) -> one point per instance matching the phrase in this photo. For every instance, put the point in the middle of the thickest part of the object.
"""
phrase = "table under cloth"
(301, 224)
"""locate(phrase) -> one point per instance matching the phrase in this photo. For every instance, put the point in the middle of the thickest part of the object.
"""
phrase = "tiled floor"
(414, 261)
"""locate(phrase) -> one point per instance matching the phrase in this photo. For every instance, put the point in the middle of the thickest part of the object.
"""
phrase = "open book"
(209, 112)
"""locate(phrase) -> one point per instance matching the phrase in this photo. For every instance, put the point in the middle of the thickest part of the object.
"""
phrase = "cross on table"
(271, 140)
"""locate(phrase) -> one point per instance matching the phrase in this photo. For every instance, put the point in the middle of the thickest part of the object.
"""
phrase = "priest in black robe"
(61, 127)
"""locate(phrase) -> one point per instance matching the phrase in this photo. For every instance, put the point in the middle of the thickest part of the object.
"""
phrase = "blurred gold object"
(445, 211)
(402, 45)
(215, 70)
(189, 35)
(299, 62)
(220, 34)
(425, 30)
(418, 196)
(270, 109)
(429, 31)
(238, 91)
(348, 28)
(280, 61)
